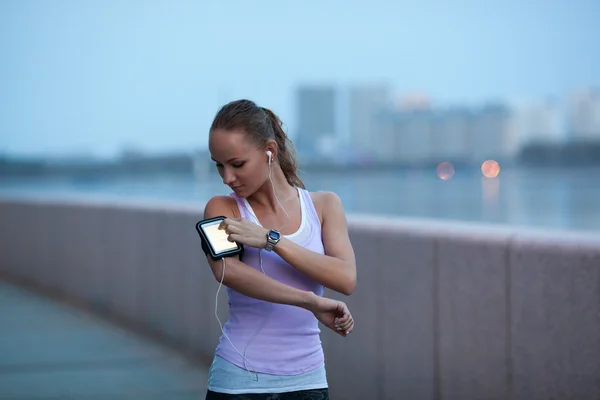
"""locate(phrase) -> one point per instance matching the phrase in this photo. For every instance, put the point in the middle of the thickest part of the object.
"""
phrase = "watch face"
(274, 235)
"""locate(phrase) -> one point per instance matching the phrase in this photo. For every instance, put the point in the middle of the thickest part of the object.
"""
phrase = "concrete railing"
(443, 310)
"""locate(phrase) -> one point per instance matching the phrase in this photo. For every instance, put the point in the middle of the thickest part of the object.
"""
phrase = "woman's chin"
(239, 191)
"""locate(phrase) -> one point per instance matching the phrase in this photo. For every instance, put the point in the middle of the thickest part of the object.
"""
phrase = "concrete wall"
(443, 311)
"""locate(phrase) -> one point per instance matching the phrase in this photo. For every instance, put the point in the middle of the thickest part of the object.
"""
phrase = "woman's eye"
(219, 165)
(239, 165)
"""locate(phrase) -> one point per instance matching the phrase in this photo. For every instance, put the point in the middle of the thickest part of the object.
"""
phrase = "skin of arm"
(336, 269)
(247, 280)
(252, 283)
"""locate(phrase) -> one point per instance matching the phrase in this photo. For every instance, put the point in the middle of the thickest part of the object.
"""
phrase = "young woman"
(296, 243)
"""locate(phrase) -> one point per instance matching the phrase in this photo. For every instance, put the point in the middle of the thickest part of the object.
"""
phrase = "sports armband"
(214, 240)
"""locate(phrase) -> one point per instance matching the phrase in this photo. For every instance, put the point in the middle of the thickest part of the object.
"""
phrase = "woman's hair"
(260, 124)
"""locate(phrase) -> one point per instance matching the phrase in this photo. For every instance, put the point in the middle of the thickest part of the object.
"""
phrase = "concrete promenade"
(50, 350)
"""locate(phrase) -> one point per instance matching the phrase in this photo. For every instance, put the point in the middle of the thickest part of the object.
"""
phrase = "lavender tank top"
(289, 342)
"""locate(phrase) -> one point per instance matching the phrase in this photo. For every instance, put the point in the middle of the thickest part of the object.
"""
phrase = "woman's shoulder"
(325, 201)
(221, 205)
(323, 196)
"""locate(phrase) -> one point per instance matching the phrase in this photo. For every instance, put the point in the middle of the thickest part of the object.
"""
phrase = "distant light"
(490, 169)
(445, 171)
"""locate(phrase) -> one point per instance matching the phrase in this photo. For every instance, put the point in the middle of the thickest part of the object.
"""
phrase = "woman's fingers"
(344, 325)
(339, 331)
(227, 222)
(344, 317)
(349, 330)
(347, 324)
(344, 321)
(234, 237)
(342, 309)
(232, 229)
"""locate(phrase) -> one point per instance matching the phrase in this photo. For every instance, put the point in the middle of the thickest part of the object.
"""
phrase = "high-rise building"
(316, 113)
(368, 132)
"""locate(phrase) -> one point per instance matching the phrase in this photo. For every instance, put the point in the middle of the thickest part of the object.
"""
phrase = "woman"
(295, 244)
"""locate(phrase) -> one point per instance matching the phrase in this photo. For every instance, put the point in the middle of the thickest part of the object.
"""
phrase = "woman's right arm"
(246, 280)
(250, 282)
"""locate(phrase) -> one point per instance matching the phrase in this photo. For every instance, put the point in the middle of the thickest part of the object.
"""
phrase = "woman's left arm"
(336, 269)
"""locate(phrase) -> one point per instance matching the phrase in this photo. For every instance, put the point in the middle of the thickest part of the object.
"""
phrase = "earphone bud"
(269, 154)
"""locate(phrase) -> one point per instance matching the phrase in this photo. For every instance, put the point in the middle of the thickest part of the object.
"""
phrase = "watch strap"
(270, 241)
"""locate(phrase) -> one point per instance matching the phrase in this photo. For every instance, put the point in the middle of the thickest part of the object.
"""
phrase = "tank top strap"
(244, 212)
(313, 217)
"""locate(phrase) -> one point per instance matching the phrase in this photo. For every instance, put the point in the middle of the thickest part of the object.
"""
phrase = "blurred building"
(413, 131)
(409, 126)
(368, 132)
(450, 135)
(489, 136)
(541, 123)
(421, 134)
(316, 115)
(583, 110)
(361, 122)
(343, 122)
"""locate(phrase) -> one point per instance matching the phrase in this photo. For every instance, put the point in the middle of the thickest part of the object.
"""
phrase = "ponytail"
(287, 153)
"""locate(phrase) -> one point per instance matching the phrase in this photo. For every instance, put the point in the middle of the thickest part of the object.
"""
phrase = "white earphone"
(270, 155)
(247, 364)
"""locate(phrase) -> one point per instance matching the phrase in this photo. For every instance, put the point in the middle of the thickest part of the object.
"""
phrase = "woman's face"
(242, 166)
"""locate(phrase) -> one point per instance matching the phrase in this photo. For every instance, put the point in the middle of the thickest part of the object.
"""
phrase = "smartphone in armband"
(214, 240)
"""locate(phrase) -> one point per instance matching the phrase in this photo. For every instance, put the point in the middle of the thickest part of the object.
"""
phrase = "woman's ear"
(272, 147)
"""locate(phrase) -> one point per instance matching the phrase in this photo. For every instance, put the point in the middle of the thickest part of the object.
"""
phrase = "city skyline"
(106, 76)
(551, 114)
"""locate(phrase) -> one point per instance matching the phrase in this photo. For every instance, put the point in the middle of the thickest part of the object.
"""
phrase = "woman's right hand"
(334, 314)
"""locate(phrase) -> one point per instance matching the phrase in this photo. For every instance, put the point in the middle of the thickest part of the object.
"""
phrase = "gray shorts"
(225, 377)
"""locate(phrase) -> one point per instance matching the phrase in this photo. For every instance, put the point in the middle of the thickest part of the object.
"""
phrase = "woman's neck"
(264, 196)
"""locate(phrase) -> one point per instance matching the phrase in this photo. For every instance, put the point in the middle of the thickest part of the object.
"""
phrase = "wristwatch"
(273, 237)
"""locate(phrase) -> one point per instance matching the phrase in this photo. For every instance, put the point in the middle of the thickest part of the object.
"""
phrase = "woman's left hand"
(245, 232)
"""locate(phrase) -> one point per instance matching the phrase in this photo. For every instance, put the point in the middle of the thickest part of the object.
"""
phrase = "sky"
(93, 77)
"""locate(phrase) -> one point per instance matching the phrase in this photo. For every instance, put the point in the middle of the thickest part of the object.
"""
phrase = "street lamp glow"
(490, 169)
(445, 171)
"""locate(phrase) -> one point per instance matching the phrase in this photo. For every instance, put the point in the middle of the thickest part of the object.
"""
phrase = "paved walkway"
(51, 351)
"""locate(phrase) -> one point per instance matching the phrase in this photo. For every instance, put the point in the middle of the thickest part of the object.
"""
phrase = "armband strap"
(204, 247)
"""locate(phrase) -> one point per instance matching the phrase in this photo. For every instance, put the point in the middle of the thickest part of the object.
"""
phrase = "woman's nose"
(228, 176)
